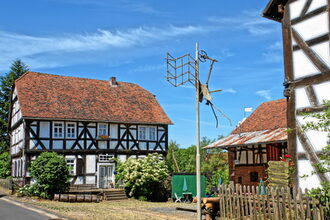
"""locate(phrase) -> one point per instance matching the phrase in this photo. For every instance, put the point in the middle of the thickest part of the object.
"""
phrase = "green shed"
(186, 182)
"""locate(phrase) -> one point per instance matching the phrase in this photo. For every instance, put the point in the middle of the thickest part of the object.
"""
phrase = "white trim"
(98, 172)
(74, 130)
(62, 134)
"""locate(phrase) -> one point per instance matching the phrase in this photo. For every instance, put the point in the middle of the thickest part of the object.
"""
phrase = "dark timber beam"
(310, 153)
(311, 96)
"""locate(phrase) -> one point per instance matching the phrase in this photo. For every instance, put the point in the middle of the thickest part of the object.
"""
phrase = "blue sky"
(129, 39)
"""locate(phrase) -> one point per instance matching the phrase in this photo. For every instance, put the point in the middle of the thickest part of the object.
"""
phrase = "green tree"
(144, 178)
(4, 165)
(17, 69)
(51, 174)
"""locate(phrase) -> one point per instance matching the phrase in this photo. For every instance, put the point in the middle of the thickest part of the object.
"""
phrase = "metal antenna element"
(185, 69)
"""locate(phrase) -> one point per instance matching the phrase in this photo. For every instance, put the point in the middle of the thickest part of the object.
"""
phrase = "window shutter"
(79, 167)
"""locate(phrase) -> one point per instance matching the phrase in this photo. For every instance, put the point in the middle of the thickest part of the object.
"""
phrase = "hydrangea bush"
(147, 177)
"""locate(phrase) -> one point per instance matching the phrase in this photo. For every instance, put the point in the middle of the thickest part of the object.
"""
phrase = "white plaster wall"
(90, 164)
(79, 180)
(69, 144)
(113, 131)
(46, 143)
(44, 129)
(57, 144)
(302, 66)
(322, 50)
(151, 146)
(160, 133)
(93, 132)
(296, 8)
(142, 145)
(90, 179)
(317, 4)
(121, 157)
(301, 98)
(102, 145)
(113, 144)
(322, 91)
(313, 27)
(305, 168)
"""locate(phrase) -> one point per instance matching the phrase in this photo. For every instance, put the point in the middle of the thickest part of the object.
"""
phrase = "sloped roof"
(265, 125)
(271, 10)
(62, 97)
(269, 115)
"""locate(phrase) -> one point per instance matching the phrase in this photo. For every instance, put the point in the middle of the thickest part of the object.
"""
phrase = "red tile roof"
(266, 124)
(62, 97)
(269, 115)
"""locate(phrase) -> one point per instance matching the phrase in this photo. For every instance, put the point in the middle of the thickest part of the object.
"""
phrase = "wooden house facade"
(88, 121)
(305, 31)
(260, 138)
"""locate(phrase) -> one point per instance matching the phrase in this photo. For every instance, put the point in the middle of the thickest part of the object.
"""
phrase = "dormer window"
(58, 129)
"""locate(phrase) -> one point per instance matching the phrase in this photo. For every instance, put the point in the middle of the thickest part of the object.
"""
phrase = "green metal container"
(186, 183)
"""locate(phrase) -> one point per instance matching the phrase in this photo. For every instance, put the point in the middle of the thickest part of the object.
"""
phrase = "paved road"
(10, 211)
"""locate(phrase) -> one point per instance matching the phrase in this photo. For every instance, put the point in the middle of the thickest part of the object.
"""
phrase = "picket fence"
(250, 202)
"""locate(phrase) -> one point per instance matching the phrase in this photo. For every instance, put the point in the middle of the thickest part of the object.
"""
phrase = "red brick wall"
(244, 173)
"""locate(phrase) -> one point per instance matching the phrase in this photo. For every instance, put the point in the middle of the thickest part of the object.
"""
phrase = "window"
(103, 129)
(105, 157)
(70, 163)
(254, 177)
(142, 133)
(70, 130)
(58, 130)
(152, 133)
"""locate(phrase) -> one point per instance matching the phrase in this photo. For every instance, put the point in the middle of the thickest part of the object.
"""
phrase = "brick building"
(260, 138)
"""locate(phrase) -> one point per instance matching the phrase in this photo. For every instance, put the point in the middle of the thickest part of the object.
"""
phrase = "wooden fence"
(246, 202)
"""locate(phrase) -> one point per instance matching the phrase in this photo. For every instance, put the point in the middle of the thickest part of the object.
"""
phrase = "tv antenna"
(185, 69)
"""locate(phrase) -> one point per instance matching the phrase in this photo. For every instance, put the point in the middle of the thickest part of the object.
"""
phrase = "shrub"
(51, 175)
(144, 177)
(4, 165)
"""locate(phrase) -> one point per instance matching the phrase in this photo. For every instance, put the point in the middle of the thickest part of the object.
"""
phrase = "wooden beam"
(311, 95)
(309, 151)
(305, 8)
(309, 15)
(314, 57)
(289, 76)
(314, 109)
(314, 41)
(314, 79)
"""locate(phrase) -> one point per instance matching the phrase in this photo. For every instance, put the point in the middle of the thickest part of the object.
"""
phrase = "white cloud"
(14, 45)
(273, 53)
(264, 93)
(230, 90)
(251, 22)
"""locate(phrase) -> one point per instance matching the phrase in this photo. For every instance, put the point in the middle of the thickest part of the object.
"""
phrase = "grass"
(130, 209)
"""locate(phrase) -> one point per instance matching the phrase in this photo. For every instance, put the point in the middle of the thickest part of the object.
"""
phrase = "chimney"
(113, 82)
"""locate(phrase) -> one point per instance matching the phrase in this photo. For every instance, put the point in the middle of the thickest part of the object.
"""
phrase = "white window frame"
(145, 133)
(71, 162)
(68, 127)
(60, 135)
(155, 133)
(106, 157)
(99, 129)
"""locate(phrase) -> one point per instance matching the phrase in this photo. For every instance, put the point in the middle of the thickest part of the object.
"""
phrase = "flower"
(283, 160)
(287, 156)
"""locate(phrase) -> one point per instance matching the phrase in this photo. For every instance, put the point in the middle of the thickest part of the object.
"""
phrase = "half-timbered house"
(260, 138)
(305, 30)
(88, 121)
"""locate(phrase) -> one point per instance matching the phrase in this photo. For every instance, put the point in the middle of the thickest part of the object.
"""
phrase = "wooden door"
(105, 176)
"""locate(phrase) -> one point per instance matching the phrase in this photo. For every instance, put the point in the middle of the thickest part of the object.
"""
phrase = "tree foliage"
(214, 163)
(321, 122)
(51, 175)
(4, 165)
(6, 83)
(144, 178)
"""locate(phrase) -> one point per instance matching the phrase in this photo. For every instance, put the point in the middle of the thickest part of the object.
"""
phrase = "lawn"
(130, 209)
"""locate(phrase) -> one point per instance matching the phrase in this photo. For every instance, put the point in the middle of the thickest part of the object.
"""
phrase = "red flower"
(287, 156)
(283, 160)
